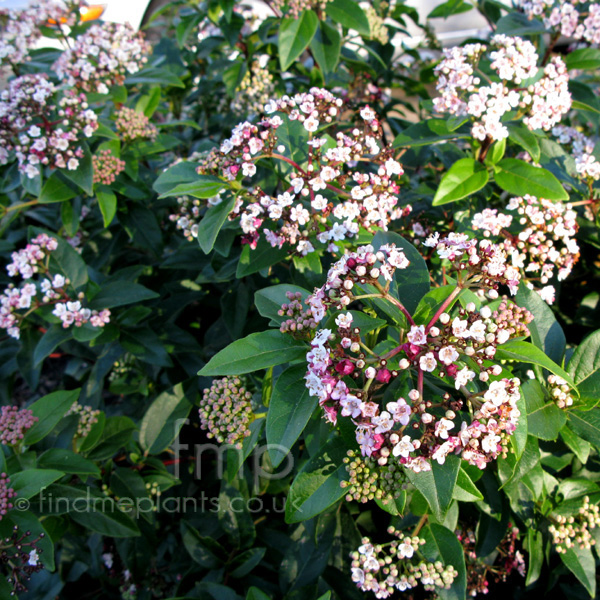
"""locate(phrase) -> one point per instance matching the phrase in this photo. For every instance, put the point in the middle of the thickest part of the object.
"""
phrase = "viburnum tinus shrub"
(297, 307)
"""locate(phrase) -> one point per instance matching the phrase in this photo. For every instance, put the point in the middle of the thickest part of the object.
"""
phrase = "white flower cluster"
(364, 266)
(514, 61)
(544, 239)
(20, 30)
(485, 263)
(572, 18)
(41, 126)
(386, 568)
(102, 57)
(327, 200)
(28, 263)
(582, 147)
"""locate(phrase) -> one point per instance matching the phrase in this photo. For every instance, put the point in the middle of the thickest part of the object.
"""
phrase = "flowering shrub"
(295, 304)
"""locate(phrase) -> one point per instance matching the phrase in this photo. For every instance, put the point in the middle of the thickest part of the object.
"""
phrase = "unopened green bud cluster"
(226, 411)
(369, 481)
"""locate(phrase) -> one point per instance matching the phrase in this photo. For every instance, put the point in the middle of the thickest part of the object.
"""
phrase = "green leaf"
(518, 24)
(583, 97)
(325, 46)
(29, 483)
(437, 485)
(294, 37)
(518, 440)
(431, 302)
(115, 436)
(584, 59)
(350, 15)
(102, 516)
(120, 293)
(246, 561)
(528, 353)
(211, 223)
(49, 410)
(525, 138)
(163, 420)
(263, 256)
(254, 352)
(582, 564)
(269, 300)
(204, 186)
(318, 484)
(66, 260)
(584, 367)
(442, 544)
(535, 549)
(578, 446)
(544, 418)
(67, 462)
(54, 337)
(208, 553)
(83, 175)
(426, 133)
(465, 177)
(107, 201)
(255, 594)
(289, 411)
(518, 177)
(466, 490)
(182, 172)
(586, 424)
(155, 76)
(56, 189)
(546, 332)
(449, 8)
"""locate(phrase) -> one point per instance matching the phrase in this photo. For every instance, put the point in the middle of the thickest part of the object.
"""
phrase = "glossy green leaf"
(83, 175)
(544, 418)
(57, 189)
(67, 462)
(325, 46)
(586, 424)
(546, 332)
(49, 410)
(350, 15)
(294, 37)
(584, 367)
(163, 420)
(518, 177)
(437, 485)
(317, 485)
(203, 187)
(525, 138)
(584, 59)
(426, 133)
(465, 177)
(254, 352)
(107, 201)
(290, 408)
(211, 223)
(30, 482)
(582, 564)
(528, 353)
